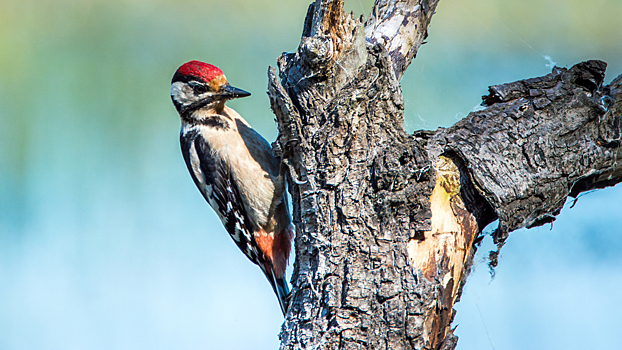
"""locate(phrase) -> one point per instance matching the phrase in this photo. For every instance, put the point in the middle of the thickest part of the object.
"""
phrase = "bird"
(235, 169)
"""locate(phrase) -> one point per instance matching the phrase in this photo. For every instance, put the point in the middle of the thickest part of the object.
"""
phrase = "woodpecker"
(235, 170)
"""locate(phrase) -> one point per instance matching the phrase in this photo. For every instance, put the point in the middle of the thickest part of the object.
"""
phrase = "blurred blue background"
(105, 243)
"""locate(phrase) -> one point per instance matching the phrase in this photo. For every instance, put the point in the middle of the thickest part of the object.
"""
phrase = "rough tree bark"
(387, 222)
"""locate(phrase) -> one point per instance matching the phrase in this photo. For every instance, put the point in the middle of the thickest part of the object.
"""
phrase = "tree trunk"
(387, 223)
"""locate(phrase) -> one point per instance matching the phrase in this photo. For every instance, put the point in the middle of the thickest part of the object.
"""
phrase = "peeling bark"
(539, 141)
(401, 26)
(387, 222)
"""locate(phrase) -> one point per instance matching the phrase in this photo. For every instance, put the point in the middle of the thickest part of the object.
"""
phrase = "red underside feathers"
(276, 248)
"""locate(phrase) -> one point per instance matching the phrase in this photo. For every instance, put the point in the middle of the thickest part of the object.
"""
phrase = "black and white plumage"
(218, 188)
(235, 170)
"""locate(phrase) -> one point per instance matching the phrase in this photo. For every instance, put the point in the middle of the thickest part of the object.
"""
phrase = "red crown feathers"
(200, 69)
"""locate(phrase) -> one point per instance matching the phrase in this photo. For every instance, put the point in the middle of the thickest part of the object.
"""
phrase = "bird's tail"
(279, 285)
(275, 261)
(282, 293)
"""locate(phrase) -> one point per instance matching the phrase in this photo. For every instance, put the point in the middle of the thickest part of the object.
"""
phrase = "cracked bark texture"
(386, 222)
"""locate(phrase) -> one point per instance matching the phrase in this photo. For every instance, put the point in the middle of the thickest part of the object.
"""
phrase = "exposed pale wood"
(446, 250)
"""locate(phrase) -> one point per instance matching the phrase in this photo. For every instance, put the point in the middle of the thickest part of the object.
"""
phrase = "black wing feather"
(225, 193)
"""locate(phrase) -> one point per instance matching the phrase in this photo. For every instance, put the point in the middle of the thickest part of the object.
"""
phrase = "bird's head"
(197, 85)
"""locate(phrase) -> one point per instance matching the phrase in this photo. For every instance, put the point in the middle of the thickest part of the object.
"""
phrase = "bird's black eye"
(198, 88)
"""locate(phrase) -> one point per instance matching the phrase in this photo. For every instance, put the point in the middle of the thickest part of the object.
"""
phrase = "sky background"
(105, 243)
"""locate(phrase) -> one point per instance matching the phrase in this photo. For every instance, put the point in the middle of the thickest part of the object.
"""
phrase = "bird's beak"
(230, 92)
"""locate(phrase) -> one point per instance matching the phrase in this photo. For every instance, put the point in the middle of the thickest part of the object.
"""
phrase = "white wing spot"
(236, 233)
(248, 251)
(195, 163)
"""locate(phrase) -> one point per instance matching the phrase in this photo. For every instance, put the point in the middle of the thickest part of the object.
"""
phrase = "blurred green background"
(105, 243)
